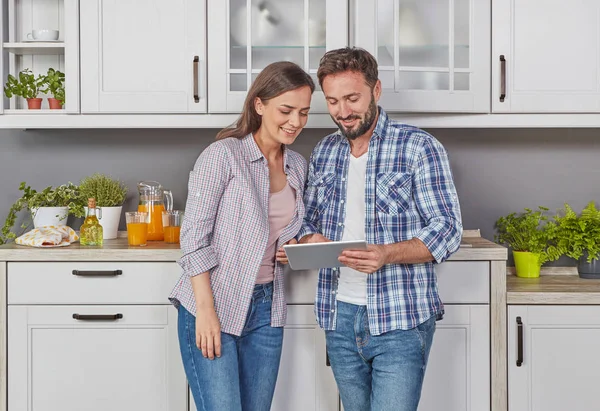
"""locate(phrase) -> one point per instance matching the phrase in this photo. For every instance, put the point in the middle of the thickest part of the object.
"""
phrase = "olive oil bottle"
(90, 232)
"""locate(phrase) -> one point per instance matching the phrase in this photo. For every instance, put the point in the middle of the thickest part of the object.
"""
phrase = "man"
(389, 184)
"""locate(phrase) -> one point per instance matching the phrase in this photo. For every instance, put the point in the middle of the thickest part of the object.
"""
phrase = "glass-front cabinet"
(244, 36)
(433, 55)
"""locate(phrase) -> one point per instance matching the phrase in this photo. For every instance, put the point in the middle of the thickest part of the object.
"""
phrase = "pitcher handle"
(168, 200)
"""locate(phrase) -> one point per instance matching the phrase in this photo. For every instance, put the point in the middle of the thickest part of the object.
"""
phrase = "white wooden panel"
(458, 372)
(304, 382)
(547, 70)
(560, 368)
(140, 283)
(466, 282)
(59, 363)
(139, 59)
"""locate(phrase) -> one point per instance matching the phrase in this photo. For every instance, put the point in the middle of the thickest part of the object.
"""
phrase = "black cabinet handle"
(327, 363)
(97, 317)
(97, 273)
(195, 68)
(519, 342)
(502, 78)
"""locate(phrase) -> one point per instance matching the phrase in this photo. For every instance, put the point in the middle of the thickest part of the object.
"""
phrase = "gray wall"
(496, 171)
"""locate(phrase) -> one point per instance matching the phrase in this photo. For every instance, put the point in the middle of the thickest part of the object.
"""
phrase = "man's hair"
(352, 59)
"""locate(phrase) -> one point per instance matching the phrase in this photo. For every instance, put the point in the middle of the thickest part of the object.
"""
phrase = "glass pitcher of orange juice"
(154, 199)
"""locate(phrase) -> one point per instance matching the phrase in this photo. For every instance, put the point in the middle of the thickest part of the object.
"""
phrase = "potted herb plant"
(51, 206)
(26, 86)
(110, 195)
(54, 82)
(579, 236)
(532, 237)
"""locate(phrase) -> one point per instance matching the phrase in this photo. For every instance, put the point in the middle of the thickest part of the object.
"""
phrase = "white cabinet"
(247, 35)
(545, 56)
(553, 361)
(433, 55)
(141, 57)
(119, 351)
(458, 371)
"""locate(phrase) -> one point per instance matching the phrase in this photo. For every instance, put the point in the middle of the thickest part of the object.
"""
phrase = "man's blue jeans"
(377, 373)
(243, 378)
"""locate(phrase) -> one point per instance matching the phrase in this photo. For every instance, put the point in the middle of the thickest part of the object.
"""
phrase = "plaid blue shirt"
(409, 193)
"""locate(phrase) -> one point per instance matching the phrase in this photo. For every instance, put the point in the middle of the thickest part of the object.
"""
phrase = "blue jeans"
(243, 378)
(377, 373)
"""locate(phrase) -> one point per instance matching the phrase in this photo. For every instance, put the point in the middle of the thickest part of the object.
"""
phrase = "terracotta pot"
(54, 103)
(34, 103)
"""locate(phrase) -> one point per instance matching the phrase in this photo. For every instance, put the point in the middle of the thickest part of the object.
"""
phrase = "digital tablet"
(319, 255)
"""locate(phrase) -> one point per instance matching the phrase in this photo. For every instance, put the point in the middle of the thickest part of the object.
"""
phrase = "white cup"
(43, 35)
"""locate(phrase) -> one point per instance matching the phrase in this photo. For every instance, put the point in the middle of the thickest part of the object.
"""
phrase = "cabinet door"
(458, 371)
(553, 361)
(57, 362)
(241, 43)
(545, 56)
(141, 57)
(433, 55)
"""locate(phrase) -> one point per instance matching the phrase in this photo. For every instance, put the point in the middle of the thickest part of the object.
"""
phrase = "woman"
(244, 202)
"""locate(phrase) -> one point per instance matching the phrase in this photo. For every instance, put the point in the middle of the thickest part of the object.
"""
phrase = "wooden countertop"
(473, 249)
(562, 287)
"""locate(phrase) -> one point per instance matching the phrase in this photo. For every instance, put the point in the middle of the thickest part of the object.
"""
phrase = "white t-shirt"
(352, 284)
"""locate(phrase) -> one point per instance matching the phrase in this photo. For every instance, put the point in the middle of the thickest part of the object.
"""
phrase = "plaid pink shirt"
(226, 228)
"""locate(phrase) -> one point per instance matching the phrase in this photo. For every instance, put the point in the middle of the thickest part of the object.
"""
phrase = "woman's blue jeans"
(243, 378)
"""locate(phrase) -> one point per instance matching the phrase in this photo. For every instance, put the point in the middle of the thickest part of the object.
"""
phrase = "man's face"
(351, 102)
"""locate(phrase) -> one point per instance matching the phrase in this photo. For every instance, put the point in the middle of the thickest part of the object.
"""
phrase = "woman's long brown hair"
(276, 79)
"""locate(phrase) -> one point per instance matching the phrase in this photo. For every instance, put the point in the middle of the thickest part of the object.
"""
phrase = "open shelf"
(39, 112)
(34, 48)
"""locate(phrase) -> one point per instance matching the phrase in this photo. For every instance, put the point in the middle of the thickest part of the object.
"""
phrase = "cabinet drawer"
(91, 282)
(466, 282)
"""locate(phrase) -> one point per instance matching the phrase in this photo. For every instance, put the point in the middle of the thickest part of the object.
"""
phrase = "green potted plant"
(532, 237)
(54, 82)
(26, 86)
(110, 195)
(579, 236)
(51, 206)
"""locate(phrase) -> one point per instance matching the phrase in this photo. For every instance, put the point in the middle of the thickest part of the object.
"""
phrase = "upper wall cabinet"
(433, 55)
(545, 56)
(143, 57)
(39, 35)
(247, 35)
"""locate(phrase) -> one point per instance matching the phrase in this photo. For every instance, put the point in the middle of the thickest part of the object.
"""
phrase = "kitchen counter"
(472, 249)
(554, 286)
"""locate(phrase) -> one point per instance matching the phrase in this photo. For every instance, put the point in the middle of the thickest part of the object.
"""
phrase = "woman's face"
(284, 116)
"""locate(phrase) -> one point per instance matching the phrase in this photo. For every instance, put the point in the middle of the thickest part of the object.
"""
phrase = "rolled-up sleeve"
(437, 202)
(206, 185)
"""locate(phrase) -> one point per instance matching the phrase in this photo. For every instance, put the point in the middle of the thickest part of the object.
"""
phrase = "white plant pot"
(45, 216)
(109, 220)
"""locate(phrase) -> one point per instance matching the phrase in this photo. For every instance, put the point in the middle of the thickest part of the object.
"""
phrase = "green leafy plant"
(54, 82)
(107, 191)
(26, 86)
(530, 231)
(578, 234)
(66, 195)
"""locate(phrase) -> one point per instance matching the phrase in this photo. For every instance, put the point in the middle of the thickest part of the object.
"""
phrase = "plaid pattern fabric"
(226, 228)
(409, 193)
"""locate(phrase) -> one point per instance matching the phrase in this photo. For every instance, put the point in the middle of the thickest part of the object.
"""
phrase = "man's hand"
(366, 261)
(314, 238)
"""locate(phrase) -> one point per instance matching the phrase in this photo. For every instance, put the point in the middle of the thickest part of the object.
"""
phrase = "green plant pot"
(527, 264)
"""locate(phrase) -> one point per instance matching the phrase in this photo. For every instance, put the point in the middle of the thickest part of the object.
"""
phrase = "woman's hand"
(281, 256)
(208, 332)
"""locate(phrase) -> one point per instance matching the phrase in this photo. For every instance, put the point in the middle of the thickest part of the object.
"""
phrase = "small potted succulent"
(54, 82)
(579, 236)
(110, 195)
(51, 206)
(532, 237)
(27, 85)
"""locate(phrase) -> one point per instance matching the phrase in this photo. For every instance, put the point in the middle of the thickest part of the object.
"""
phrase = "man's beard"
(363, 126)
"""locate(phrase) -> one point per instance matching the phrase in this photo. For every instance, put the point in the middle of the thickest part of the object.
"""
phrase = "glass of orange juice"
(137, 227)
(172, 220)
